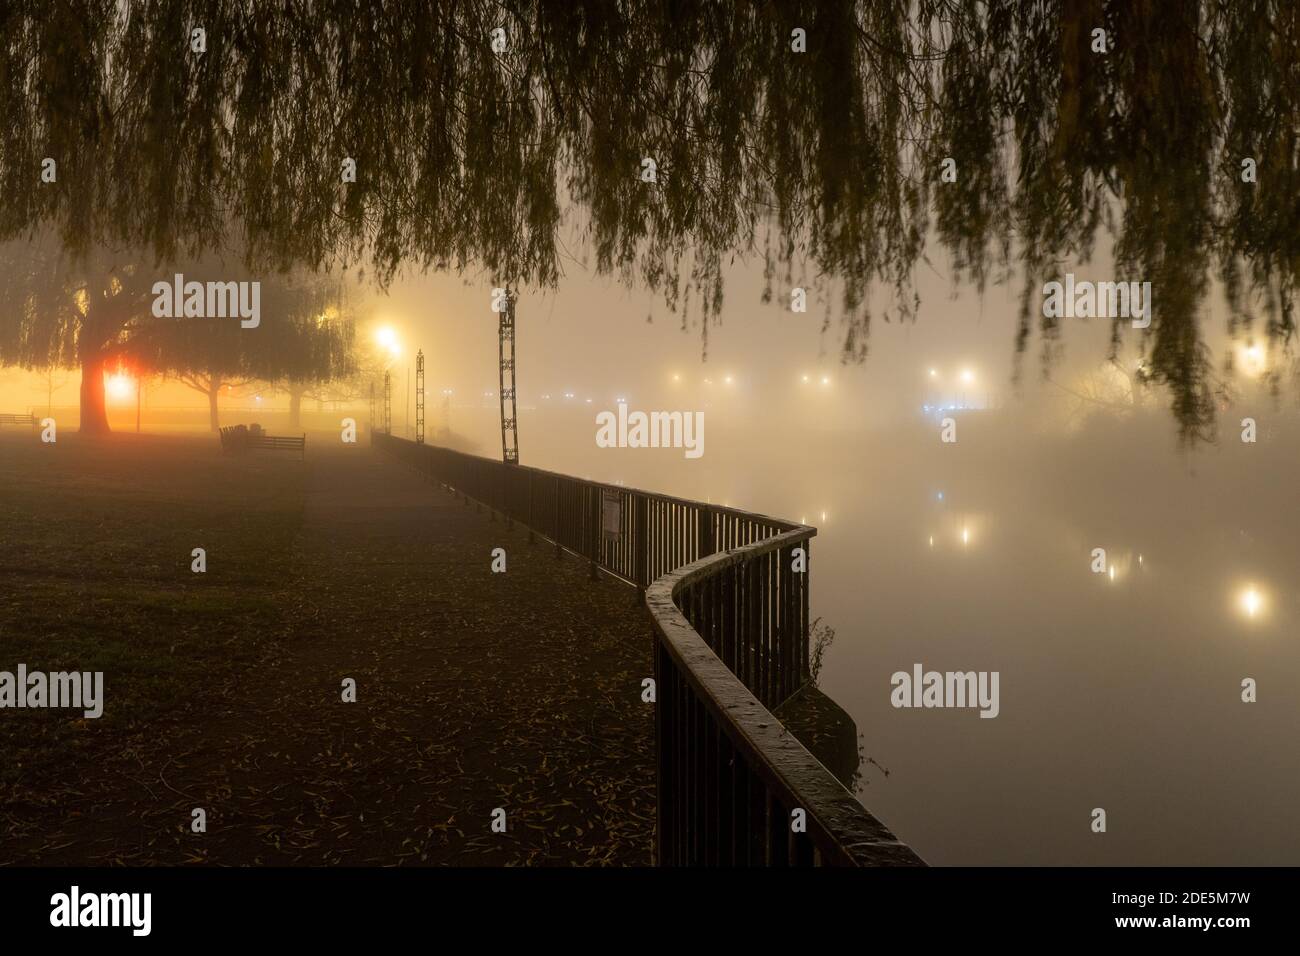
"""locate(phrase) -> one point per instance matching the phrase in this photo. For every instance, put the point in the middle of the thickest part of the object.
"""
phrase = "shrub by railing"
(730, 617)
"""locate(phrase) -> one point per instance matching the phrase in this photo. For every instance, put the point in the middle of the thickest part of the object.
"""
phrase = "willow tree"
(813, 134)
(96, 310)
(64, 311)
(303, 337)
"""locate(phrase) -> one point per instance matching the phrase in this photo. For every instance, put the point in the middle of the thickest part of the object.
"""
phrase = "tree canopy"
(96, 310)
(472, 148)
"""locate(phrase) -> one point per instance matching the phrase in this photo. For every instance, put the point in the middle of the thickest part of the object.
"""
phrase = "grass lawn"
(95, 551)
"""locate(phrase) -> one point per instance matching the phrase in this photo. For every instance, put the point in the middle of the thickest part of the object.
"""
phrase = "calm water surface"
(1117, 691)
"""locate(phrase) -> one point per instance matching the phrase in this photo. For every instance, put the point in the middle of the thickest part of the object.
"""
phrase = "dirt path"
(475, 691)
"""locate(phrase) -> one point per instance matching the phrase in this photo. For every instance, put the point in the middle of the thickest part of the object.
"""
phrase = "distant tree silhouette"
(304, 339)
(93, 310)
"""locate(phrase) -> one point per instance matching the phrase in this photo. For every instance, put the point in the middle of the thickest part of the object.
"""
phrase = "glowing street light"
(386, 338)
(1252, 359)
(967, 376)
(826, 380)
(120, 386)
(934, 373)
(1251, 601)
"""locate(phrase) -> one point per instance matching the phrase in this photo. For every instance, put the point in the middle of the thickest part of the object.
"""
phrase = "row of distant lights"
(966, 375)
(731, 379)
(726, 380)
(547, 397)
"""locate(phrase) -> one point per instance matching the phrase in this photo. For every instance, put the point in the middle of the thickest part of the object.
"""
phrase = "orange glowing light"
(120, 386)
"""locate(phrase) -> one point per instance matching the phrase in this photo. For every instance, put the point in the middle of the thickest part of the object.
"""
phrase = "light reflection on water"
(1123, 694)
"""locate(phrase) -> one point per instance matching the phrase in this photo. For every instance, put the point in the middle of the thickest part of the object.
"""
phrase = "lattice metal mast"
(419, 397)
(506, 352)
(388, 403)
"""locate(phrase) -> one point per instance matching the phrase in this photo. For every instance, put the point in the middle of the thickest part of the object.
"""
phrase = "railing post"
(664, 700)
(593, 536)
(706, 531)
(641, 533)
(503, 496)
(805, 621)
(532, 538)
(510, 515)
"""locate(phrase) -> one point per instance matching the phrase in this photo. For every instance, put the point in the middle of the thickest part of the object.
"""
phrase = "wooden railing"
(727, 593)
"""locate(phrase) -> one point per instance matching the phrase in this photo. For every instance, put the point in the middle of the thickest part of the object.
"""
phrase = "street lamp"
(386, 337)
(119, 385)
(967, 378)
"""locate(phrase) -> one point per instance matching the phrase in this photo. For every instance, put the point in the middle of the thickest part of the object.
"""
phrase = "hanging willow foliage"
(826, 162)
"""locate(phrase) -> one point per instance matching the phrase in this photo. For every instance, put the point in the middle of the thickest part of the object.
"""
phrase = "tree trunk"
(94, 414)
(295, 409)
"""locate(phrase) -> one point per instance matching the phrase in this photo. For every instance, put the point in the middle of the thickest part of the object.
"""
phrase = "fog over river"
(1119, 690)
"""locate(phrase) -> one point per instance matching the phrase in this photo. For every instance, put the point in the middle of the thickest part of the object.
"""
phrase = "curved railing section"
(727, 593)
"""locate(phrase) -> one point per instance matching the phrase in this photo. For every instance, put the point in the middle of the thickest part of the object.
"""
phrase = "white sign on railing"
(611, 513)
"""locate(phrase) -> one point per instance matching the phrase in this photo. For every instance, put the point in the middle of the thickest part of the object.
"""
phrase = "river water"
(1120, 690)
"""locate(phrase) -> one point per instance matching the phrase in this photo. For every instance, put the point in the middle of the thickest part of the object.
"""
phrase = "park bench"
(285, 442)
(240, 438)
(10, 419)
(233, 439)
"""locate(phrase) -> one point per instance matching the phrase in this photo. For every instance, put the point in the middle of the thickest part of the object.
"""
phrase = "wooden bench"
(238, 439)
(233, 440)
(285, 442)
(8, 419)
